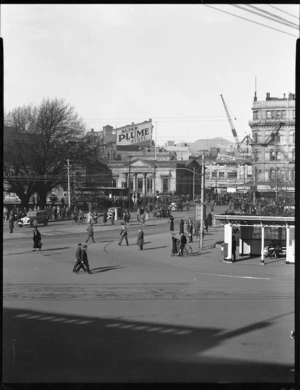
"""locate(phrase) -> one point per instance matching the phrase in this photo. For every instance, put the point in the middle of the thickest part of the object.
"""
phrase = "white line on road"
(233, 276)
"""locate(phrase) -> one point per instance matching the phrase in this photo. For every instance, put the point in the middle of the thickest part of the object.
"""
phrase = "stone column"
(134, 181)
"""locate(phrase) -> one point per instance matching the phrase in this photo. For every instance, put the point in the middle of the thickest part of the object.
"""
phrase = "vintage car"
(111, 209)
(40, 215)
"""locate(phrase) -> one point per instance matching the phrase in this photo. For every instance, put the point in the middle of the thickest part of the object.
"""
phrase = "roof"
(255, 219)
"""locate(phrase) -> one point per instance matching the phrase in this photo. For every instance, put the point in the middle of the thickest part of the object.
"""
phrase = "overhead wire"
(250, 20)
(289, 24)
(272, 6)
(270, 13)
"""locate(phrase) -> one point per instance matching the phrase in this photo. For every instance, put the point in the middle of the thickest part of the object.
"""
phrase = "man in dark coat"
(233, 246)
(113, 214)
(174, 244)
(104, 216)
(84, 261)
(78, 257)
(182, 244)
(171, 223)
(140, 239)
(181, 226)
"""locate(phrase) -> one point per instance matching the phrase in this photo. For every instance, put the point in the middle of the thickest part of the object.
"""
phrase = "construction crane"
(231, 125)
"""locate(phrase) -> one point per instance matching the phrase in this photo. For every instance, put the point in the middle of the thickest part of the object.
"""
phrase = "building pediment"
(140, 164)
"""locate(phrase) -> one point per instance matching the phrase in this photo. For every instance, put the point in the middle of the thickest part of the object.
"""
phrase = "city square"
(143, 316)
(149, 181)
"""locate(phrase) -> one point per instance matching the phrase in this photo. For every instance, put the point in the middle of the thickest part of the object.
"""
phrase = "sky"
(123, 63)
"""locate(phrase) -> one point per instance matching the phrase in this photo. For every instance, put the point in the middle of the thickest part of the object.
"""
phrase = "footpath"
(56, 228)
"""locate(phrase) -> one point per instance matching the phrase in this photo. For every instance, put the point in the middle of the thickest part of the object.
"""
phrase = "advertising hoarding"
(132, 137)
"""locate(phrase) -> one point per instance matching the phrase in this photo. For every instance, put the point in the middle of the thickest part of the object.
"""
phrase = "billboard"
(132, 137)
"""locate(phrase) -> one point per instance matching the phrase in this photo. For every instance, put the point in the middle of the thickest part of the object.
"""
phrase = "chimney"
(268, 96)
(255, 97)
(284, 96)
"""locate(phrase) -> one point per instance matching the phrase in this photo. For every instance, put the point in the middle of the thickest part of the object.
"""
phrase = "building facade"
(147, 177)
(273, 137)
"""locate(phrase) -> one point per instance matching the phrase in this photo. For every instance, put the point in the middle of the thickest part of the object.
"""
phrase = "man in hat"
(84, 260)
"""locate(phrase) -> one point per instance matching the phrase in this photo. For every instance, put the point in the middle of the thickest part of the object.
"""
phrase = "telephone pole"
(202, 200)
(69, 191)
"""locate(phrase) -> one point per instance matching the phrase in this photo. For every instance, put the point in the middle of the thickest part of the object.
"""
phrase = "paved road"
(143, 316)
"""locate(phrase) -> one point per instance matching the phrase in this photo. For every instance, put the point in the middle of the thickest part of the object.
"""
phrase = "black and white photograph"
(149, 193)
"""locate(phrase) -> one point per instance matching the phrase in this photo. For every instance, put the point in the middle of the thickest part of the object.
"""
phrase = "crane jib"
(234, 132)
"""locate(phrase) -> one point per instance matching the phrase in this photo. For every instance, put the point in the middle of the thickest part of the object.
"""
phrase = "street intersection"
(142, 316)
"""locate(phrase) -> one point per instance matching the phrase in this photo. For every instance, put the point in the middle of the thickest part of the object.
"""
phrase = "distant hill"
(202, 144)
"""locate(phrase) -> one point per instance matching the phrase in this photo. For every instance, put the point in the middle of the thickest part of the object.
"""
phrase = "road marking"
(234, 276)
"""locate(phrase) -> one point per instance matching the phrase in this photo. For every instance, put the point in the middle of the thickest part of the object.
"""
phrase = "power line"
(272, 6)
(274, 15)
(266, 17)
(252, 21)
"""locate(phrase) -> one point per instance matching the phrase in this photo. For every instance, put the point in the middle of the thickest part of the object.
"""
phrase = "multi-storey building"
(273, 135)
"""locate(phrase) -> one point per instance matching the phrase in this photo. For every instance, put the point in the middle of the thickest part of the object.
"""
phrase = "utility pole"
(69, 191)
(202, 202)
(193, 184)
(129, 162)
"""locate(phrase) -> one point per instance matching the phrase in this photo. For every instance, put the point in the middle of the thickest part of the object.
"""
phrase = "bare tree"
(36, 148)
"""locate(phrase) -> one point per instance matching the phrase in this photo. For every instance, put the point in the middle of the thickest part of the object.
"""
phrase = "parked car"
(40, 215)
(111, 209)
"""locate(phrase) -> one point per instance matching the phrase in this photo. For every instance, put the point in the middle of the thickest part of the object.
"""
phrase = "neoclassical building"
(273, 135)
(147, 177)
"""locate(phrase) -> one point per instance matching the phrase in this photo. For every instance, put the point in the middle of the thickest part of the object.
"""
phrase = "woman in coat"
(37, 243)
(11, 223)
(181, 226)
(174, 245)
(140, 239)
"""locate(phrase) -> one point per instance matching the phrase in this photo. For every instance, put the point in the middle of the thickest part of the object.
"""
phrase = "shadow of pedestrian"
(104, 269)
(157, 247)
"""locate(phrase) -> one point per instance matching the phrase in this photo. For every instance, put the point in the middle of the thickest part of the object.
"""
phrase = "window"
(232, 175)
(114, 182)
(278, 114)
(272, 174)
(255, 136)
(255, 115)
(214, 174)
(272, 155)
(291, 137)
(256, 155)
(273, 114)
(278, 155)
(283, 114)
(294, 114)
(268, 114)
(124, 184)
(221, 174)
(293, 155)
(165, 183)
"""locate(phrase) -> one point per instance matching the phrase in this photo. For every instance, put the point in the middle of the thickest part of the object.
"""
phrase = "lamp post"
(202, 203)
